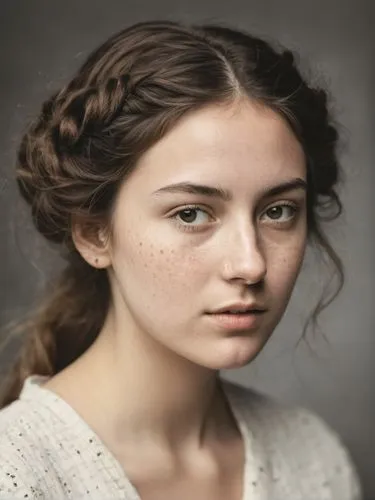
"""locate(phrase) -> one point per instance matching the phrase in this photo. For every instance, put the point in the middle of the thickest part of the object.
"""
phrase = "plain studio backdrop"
(43, 42)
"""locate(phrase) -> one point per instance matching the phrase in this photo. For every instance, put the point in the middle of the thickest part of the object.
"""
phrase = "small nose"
(244, 259)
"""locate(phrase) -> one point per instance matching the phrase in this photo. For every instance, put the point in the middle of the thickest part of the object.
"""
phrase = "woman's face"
(214, 215)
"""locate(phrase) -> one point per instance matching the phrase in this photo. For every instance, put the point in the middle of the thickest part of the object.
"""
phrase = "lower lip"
(237, 321)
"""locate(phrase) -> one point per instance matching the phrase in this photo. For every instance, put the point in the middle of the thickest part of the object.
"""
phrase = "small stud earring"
(96, 261)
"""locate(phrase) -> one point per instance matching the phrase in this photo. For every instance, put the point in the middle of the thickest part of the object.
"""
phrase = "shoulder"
(21, 469)
(31, 435)
(296, 439)
(19, 424)
(26, 423)
(47, 451)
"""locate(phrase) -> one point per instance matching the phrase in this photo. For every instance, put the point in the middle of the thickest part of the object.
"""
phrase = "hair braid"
(89, 136)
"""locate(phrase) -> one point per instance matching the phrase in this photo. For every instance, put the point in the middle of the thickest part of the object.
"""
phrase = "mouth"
(240, 308)
(246, 312)
(237, 320)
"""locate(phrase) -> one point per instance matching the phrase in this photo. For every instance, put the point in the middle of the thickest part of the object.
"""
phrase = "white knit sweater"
(48, 452)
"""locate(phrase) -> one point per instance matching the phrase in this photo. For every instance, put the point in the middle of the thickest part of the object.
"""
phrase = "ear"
(93, 244)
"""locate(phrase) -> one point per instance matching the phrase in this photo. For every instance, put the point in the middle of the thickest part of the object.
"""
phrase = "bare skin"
(210, 477)
(155, 364)
(214, 472)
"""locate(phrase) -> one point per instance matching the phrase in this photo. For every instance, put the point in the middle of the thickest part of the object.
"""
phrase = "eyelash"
(185, 226)
(195, 228)
(293, 206)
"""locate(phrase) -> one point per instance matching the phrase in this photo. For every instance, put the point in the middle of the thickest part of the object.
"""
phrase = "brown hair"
(89, 136)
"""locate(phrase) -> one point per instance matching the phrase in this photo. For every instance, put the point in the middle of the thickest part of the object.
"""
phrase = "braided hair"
(89, 136)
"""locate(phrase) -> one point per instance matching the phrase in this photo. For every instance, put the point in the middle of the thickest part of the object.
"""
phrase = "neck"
(150, 394)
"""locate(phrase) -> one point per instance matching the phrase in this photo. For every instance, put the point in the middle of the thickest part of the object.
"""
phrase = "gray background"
(42, 42)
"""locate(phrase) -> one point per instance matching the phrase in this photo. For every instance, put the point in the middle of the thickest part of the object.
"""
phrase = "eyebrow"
(224, 194)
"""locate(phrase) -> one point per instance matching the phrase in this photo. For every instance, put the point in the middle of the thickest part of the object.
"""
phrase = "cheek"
(285, 263)
(159, 268)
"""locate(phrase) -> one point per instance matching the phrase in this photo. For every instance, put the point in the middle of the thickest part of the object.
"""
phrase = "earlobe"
(100, 262)
(92, 245)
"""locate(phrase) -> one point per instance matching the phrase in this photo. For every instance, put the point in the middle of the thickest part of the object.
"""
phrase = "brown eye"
(275, 212)
(189, 215)
(281, 213)
(192, 216)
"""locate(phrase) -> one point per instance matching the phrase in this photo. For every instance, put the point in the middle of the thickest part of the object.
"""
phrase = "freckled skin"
(164, 279)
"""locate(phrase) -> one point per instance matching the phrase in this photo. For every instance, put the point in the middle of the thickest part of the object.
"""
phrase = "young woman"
(183, 171)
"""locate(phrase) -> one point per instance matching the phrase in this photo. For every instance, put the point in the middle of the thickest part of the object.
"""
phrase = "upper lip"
(239, 306)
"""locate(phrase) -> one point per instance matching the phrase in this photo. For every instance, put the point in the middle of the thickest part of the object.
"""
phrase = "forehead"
(245, 144)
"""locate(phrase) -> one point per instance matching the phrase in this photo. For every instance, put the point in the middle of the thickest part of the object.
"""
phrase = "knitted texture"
(48, 452)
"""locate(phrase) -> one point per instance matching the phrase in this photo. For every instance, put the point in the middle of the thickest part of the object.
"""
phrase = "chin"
(235, 353)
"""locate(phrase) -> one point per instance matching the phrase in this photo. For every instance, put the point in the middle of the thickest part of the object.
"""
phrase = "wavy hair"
(89, 136)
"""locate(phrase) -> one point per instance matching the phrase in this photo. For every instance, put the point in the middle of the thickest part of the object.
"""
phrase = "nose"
(244, 258)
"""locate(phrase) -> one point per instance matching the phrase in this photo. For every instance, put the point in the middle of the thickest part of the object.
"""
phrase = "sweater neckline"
(33, 390)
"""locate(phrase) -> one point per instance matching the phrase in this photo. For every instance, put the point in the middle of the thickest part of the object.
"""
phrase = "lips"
(247, 311)
(239, 308)
(236, 321)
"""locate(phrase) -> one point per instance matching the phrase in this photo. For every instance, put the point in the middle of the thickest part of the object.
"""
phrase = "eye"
(282, 213)
(191, 217)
